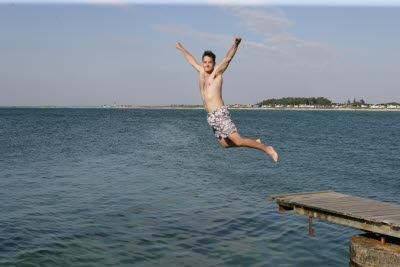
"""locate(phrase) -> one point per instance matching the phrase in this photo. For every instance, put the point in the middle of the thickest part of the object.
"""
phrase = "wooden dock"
(362, 213)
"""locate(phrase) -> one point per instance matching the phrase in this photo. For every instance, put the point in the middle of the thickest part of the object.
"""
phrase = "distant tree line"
(355, 102)
(319, 101)
(391, 103)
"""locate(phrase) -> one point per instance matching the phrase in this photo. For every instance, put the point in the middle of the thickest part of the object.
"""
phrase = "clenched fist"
(238, 40)
(178, 45)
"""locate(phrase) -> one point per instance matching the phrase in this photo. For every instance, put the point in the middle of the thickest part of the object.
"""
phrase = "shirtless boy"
(218, 115)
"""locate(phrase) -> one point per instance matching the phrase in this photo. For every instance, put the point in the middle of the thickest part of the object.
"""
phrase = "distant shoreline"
(169, 107)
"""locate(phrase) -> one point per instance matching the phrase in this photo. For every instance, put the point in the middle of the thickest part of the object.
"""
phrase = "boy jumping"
(218, 115)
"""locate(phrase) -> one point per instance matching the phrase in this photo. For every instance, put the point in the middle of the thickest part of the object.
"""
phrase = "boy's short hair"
(208, 53)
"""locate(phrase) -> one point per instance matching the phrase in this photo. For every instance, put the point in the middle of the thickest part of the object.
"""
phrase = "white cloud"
(278, 46)
(306, 2)
(267, 21)
(113, 3)
(189, 32)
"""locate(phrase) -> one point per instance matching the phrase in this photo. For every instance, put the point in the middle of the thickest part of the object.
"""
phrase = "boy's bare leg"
(237, 140)
(226, 143)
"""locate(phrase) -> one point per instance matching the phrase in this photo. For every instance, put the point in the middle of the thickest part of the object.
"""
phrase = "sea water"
(153, 187)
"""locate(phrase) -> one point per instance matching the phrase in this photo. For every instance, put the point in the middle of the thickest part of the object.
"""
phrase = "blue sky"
(92, 54)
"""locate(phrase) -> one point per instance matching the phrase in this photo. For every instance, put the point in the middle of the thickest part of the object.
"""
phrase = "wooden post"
(310, 229)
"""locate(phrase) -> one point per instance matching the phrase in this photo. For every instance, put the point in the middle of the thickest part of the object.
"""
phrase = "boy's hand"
(238, 40)
(178, 45)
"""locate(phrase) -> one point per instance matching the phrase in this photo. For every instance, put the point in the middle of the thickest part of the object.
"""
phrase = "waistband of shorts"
(221, 107)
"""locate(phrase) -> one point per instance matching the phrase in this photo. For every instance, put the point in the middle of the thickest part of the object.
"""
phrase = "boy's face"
(208, 64)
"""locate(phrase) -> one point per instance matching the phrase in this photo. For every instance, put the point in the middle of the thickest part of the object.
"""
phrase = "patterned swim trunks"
(221, 122)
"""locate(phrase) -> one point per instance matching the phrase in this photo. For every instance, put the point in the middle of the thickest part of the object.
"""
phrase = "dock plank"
(367, 214)
(357, 208)
(382, 212)
(294, 194)
(322, 197)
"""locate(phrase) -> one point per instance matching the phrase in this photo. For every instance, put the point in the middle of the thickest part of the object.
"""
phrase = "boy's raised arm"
(221, 67)
(189, 57)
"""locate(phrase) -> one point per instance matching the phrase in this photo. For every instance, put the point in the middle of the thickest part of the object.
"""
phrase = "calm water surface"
(148, 187)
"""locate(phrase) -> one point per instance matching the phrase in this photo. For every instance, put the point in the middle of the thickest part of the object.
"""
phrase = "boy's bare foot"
(270, 151)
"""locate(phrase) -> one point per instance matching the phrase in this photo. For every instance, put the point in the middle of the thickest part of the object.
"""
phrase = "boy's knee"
(238, 141)
(225, 145)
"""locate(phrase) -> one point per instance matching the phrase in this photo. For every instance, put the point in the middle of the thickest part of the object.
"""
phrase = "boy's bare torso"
(211, 90)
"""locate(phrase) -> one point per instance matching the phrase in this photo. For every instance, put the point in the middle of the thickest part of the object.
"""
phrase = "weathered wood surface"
(366, 214)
